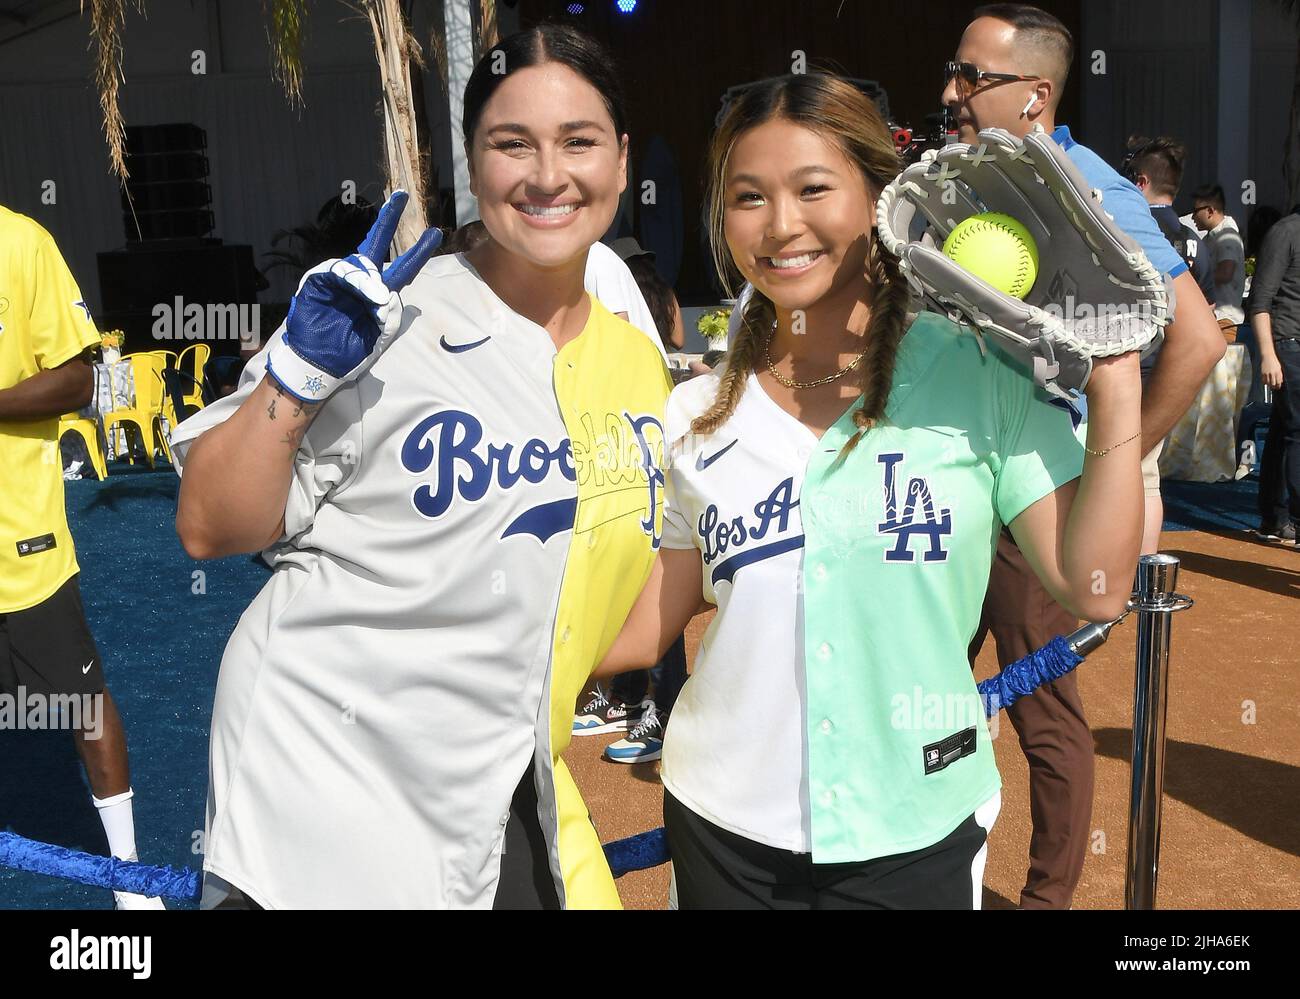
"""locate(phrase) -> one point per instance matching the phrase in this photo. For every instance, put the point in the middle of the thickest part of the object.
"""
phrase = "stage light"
(626, 6)
(575, 8)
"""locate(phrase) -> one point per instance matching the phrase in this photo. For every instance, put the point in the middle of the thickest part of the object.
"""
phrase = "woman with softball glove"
(836, 489)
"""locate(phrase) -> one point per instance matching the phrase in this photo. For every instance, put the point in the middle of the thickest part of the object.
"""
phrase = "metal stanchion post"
(1154, 600)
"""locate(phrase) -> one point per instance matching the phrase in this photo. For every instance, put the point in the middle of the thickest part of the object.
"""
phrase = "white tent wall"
(271, 165)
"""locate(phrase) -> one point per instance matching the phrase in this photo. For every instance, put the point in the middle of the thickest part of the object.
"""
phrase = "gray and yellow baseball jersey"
(467, 528)
(832, 709)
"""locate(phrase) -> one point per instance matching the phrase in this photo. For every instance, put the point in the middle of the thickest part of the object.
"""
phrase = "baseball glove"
(1096, 295)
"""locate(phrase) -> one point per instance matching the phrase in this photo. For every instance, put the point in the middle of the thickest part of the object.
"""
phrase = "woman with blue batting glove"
(454, 466)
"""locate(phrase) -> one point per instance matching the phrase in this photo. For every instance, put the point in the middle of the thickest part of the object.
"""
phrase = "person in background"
(1155, 166)
(1261, 220)
(658, 294)
(1275, 319)
(1009, 72)
(655, 689)
(1224, 237)
(46, 648)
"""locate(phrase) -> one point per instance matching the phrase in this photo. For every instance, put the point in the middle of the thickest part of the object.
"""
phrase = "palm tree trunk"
(396, 50)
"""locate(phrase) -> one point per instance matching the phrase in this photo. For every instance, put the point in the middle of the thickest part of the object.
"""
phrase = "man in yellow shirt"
(48, 658)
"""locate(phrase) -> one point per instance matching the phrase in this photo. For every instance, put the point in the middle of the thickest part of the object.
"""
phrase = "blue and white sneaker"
(645, 743)
(600, 715)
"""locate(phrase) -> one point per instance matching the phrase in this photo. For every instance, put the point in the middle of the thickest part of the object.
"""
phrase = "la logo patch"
(917, 518)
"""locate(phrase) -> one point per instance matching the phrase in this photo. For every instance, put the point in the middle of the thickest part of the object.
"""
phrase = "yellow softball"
(997, 248)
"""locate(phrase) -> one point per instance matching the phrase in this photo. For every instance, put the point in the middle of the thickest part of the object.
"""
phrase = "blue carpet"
(161, 642)
(1212, 507)
(161, 630)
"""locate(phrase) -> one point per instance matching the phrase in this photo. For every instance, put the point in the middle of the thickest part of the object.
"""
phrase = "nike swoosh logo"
(460, 348)
(86, 669)
(701, 463)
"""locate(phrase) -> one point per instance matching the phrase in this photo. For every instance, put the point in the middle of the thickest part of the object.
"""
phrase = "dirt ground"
(1230, 834)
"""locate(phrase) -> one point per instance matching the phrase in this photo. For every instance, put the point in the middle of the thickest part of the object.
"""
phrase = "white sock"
(119, 823)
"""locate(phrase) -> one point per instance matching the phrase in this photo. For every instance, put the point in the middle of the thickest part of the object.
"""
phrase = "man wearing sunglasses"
(1009, 72)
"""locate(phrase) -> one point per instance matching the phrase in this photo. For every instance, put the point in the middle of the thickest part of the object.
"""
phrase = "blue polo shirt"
(1124, 203)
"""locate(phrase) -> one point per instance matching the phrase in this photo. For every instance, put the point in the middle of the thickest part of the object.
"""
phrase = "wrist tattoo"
(299, 407)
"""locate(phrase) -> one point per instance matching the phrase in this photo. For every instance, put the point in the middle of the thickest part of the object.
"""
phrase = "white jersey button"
(826, 725)
(564, 635)
(824, 650)
(828, 798)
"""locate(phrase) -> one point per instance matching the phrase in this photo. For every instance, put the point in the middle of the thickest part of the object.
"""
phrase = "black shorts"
(48, 649)
(713, 868)
(526, 881)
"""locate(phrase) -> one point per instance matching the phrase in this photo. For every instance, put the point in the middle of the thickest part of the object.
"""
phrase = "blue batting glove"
(347, 312)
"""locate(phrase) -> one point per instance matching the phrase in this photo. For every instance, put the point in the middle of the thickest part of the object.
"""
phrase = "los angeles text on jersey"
(102, 953)
(617, 459)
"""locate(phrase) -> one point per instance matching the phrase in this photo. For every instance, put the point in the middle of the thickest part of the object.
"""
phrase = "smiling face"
(989, 44)
(798, 215)
(546, 165)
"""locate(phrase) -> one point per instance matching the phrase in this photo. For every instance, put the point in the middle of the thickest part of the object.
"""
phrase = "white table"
(1202, 447)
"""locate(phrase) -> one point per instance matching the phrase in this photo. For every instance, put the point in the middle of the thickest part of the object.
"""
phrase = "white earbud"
(1028, 104)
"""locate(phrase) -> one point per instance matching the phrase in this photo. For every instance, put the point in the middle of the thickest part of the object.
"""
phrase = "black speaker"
(167, 196)
(133, 282)
(141, 278)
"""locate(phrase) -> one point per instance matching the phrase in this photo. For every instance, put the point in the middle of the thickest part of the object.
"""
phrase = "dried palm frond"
(286, 20)
(487, 26)
(106, 20)
(438, 46)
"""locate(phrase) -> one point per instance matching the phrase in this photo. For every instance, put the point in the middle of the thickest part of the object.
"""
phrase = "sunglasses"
(969, 76)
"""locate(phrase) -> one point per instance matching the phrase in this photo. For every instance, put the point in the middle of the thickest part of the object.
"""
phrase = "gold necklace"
(790, 382)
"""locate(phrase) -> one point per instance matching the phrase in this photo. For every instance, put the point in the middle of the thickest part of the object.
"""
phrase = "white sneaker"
(129, 900)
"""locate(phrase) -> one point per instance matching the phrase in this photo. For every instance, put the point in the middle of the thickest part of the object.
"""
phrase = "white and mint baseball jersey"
(467, 528)
(832, 708)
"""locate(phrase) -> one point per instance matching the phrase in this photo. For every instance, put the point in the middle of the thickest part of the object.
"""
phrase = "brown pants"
(1053, 731)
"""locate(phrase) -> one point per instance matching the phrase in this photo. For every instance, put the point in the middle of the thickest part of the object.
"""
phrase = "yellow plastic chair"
(88, 431)
(170, 362)
(193, 362)
(146, 415)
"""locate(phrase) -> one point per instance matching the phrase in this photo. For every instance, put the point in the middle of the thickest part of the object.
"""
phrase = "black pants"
(1279, 471)
(1050, 724)
(715, 869)
(668, 676)
(526, 881)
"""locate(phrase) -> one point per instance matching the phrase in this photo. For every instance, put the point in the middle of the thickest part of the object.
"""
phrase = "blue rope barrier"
(25, 854)
(635, 853)
(1026, 675)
